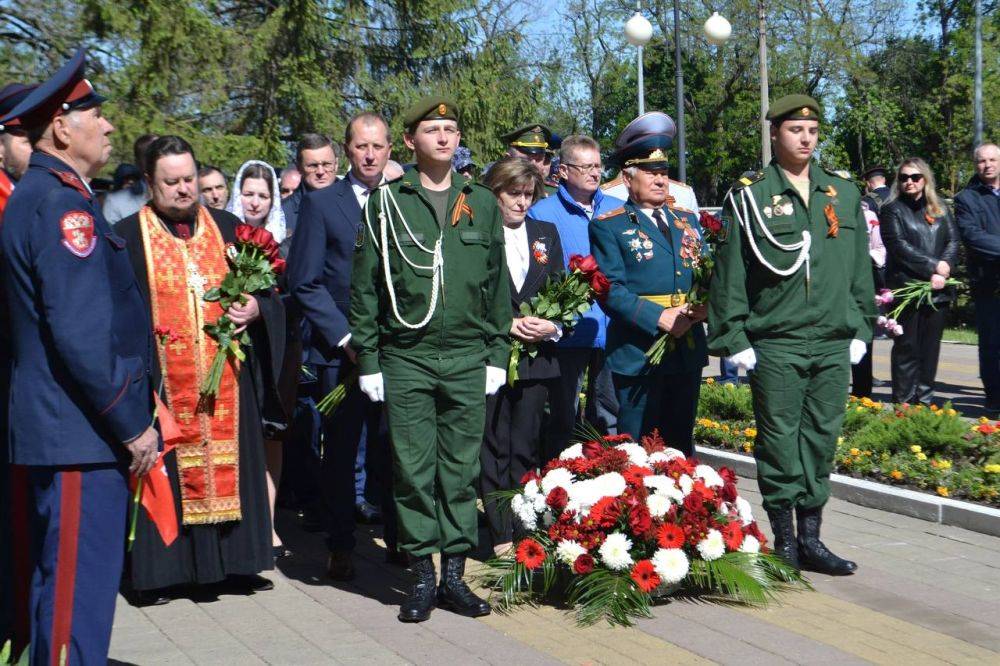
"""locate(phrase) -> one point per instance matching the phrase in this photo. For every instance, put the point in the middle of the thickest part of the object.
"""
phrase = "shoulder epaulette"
(71, 180)
(833, 173)
(680, 208)
(749, 178)
(612, 183)
(611, 213)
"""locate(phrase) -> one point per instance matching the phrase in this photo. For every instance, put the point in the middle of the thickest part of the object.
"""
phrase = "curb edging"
(942, 510)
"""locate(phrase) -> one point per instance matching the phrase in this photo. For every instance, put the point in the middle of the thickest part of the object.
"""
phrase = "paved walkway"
(924, 594)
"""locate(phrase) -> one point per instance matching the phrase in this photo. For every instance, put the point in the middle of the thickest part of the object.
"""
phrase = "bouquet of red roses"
(255, 266)
(563, 299)
(696, 254)
(615, 524)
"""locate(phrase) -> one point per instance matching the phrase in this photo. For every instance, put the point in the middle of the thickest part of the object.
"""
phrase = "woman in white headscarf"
(255, 199)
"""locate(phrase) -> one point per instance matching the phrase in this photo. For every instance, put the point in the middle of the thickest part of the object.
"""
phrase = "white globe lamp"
(717, 29)
(638, 30)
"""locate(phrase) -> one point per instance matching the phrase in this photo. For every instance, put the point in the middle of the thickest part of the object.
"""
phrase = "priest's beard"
(176, 213)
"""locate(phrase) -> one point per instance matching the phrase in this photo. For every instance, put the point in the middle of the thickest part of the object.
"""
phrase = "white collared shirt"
(361, 191)
(518, 253)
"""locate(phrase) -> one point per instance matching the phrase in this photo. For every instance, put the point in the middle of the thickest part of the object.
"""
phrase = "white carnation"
(709, 476)
(671, 564)
(614, 551)
(665, 455)
(531, 488)
(567, 551)
(658, 505)
(557, 478)
(664, 485)
(686, 483)
(575, 451)
(745, 510)
(636, 454)
(712, 547)
(525, 511)
(538, 501)
(750, 544)
(611, 484)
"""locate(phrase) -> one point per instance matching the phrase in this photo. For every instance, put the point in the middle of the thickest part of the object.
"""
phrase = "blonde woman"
(921, 242)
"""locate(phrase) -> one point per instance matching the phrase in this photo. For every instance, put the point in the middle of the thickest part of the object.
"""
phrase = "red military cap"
(66, 91)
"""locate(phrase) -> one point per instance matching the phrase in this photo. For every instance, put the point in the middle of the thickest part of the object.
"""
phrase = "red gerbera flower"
(530, 553)
(606, 512)
(645, 576)
(530, 475)
(732, 535)
(670, 536)
(633, 475)
(584, 564)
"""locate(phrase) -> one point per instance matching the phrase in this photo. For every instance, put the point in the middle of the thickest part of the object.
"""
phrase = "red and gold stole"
(180, 271)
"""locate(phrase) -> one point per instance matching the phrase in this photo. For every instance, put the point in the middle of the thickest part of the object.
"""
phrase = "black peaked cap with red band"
(66, 91)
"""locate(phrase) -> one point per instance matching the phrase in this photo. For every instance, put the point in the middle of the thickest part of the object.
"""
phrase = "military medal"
(540, 252)
(832, 223)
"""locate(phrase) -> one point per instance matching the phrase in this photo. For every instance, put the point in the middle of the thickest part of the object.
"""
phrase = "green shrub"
(725, 401)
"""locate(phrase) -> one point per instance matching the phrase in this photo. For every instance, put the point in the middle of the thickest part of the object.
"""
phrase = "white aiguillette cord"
(437, 261)
(802, 247)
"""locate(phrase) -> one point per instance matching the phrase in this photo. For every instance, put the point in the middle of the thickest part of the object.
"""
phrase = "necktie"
(661, 224)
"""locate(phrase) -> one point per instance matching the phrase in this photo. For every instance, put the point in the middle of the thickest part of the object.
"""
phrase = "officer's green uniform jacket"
(473, 313)
(750, 306)
(639, 260)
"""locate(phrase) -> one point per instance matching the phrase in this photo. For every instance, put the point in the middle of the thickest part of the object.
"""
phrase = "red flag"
(157, 495)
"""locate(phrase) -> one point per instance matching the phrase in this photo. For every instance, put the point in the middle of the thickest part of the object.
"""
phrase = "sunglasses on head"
(913, 177)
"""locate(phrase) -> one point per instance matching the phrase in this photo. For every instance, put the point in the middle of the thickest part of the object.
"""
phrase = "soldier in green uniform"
(791, 301)
(430, 313)
(533, 143)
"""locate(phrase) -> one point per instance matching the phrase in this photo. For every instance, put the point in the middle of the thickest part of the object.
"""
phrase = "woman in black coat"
(921, 242)
(512, 439)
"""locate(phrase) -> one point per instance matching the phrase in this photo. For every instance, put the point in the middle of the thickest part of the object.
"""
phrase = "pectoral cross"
(195, 280)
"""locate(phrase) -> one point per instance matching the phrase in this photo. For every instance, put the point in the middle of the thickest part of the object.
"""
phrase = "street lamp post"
(638, 32)
(679, 85)
(978, 94)
(765, 134)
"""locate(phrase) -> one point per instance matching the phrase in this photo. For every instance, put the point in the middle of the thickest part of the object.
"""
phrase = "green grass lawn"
(966, 336)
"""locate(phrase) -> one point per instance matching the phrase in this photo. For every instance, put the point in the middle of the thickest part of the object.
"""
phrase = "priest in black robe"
(220, 548)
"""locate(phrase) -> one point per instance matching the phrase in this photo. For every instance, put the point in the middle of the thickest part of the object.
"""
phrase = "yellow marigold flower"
(859, 409)
(942, 491)
(921, 456)
(915, 449)
(951, 412)
(750, 432)
(992, 468)
(710, 380)
(855, 452)
(983, 419)
(934, 408)
(725, 428)
(944, 464)
(896, 474)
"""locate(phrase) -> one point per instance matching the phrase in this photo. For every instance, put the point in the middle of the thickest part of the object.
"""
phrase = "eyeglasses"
(314, 166)
(584, 168)
(912, 177)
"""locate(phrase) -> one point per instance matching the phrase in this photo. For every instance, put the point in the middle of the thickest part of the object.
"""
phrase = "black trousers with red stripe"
(76, 522)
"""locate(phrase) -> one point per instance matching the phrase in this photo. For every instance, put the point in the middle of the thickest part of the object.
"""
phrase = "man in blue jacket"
(319, 276)
(977, 213)
(80, 391)
(578, 200)
(647, 249)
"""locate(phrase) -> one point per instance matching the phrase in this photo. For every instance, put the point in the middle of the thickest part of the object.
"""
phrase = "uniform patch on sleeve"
(78, 232)
(611, 213)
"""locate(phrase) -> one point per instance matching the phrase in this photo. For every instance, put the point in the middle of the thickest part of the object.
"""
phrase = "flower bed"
(614, 525)
(930, 449)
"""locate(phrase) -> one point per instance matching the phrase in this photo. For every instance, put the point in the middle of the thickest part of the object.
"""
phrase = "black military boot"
(784, 536)
(418, 606)
(454, 594)
(815, 556)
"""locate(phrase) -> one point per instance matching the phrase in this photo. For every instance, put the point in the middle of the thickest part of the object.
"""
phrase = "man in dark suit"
(319, 278)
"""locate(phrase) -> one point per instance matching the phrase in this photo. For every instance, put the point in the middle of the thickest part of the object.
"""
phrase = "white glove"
(745, 359)
(495, 378)
(372, 386)
(858, 351)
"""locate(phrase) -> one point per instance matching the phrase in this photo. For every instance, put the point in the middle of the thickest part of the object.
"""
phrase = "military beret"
(432, 107)
(794, 107)
(11, 95)
(66, 91)
(531, 139)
